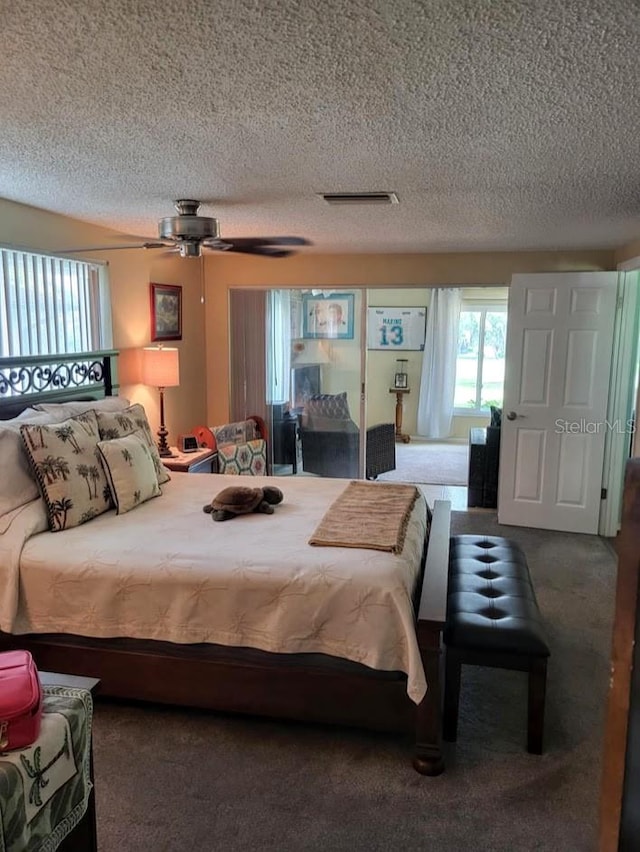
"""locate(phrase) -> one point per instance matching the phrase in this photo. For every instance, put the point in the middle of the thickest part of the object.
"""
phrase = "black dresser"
(284, 438)
(484, 460)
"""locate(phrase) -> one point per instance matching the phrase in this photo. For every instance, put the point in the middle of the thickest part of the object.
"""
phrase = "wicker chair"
(331, 441)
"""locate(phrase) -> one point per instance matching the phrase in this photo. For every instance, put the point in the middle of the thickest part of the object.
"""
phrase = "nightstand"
(202, 461)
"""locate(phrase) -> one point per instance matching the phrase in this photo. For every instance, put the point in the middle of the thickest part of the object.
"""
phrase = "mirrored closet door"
(296, 360)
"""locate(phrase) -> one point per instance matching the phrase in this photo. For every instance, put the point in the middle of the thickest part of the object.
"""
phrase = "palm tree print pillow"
(67, 464)
(130, 471)
(117, 424)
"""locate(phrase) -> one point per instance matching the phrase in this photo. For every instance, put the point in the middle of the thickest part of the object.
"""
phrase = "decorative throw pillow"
(67, 465)
(118, 424)
(328, 405)
(235, 433)
(130, 471)
(248, 459)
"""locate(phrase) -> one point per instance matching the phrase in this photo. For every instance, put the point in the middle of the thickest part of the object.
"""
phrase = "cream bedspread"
(166, 571)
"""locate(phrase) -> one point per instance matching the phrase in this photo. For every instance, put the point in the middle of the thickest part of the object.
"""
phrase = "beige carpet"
(429, 462)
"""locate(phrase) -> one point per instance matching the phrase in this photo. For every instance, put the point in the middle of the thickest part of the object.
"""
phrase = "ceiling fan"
(189, 233)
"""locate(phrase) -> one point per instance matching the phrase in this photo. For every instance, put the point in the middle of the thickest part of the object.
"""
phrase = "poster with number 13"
(396, 329)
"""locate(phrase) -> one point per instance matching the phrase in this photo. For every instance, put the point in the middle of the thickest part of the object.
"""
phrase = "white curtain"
(279, 346)
(438, 378)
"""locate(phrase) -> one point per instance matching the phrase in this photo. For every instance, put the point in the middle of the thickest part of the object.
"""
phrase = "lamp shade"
(160, 366)
(308, 352)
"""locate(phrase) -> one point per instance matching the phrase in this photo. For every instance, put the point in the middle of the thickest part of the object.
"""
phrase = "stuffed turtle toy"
(240, 500)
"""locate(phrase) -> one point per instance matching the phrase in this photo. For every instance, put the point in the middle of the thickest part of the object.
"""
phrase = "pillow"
(248, 459)
(130, 471)
(18, 484)
(70, 409)
(118, 424)
(235, 433)
(66, 462)
(328, 405)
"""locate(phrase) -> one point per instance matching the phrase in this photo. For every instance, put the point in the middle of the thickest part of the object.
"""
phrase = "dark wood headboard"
(25, 381)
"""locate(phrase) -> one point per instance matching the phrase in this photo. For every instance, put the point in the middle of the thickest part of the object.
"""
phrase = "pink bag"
(20, 700)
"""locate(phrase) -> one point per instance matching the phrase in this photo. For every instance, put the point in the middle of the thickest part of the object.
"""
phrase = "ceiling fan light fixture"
(189, 248)
(189, 233)
(187, 225)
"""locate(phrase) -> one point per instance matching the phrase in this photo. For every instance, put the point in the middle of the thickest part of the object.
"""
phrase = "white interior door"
(558, 357)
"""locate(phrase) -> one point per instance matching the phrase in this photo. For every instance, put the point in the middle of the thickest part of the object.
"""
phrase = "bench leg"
(537, 691)
(451, 696)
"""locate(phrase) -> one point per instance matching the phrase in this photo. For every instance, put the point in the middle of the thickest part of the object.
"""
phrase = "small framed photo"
(401, 381)
(166, 312)
(328, 316)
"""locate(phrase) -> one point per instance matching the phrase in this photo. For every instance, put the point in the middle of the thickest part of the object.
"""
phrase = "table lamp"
(161, 369)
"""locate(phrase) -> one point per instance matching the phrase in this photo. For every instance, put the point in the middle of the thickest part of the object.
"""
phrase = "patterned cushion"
(332, 405)
(67, 465)
(118, 424)
(235, 433)
(248, 459)
(130, 471)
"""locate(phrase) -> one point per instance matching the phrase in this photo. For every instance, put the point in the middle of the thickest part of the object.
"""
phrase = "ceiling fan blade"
(266, 241)
(265, 251)
(114, 248)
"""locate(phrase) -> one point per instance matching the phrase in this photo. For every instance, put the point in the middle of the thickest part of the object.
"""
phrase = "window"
(482, 334)
(52, 305)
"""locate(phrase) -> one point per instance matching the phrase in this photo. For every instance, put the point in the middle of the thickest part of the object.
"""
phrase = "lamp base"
(166, 453)
(164, 450)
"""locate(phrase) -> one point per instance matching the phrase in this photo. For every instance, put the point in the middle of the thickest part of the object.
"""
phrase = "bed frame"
(305, 687)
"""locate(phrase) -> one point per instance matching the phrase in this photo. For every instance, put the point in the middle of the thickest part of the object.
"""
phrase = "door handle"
(511, 415)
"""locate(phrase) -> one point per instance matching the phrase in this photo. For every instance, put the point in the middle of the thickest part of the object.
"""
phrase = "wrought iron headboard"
(25, 381)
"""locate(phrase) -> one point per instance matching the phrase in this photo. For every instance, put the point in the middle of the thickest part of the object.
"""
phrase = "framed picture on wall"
(166, 312)
(328, 316)
(396, 329)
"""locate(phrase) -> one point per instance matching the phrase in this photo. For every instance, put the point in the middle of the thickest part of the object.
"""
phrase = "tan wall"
(130, 273)
(330, 271)
(627, 252)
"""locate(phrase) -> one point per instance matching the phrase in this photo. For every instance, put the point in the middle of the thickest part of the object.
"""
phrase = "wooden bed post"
(428, 749)
(432, 615)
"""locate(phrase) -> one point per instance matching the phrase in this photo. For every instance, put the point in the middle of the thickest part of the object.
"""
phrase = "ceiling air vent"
(359, 197)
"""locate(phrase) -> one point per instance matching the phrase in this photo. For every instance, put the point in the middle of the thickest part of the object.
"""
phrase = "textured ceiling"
(500, 125)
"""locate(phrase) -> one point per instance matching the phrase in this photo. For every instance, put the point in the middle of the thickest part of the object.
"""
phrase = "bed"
(164, 605)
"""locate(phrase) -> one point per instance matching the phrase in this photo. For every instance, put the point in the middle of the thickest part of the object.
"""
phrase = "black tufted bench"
(493, 620)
